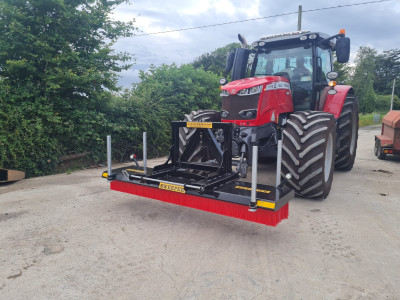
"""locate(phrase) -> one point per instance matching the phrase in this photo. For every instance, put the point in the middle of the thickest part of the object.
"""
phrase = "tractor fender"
(334, 103)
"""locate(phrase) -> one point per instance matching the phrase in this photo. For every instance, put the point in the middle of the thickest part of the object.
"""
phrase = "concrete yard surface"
(70, 237)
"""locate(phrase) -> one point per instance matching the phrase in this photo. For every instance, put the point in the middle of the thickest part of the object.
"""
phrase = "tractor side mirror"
(240, 63)
(343, 49)
(229, 61)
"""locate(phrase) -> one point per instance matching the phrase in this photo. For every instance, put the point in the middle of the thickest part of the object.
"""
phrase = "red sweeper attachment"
(208, 183)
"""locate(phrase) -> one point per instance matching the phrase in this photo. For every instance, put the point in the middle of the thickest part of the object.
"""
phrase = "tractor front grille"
(233, 104)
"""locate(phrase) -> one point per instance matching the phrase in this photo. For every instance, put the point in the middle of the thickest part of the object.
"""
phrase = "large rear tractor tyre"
(308, 153)
(348, 134)
(186, 133)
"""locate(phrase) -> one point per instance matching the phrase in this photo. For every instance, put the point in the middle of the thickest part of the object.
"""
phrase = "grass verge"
(370, 119)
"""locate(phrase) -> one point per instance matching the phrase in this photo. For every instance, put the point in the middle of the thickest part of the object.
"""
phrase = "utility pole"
(391, 101)
(299, 17)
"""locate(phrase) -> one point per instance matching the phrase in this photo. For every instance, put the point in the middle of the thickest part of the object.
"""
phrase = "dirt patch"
(383, 171)
(15, 276)
(11, 215)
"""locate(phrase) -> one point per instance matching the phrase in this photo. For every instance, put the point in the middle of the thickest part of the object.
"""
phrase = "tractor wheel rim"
(328, 158)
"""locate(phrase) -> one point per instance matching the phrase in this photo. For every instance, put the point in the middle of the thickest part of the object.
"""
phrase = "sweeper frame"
(211, 185)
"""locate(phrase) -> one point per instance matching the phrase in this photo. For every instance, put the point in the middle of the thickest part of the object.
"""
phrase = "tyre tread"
(303, 152)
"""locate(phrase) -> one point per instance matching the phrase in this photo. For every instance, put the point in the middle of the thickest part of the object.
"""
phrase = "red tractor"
(284, 88)
(282, 102)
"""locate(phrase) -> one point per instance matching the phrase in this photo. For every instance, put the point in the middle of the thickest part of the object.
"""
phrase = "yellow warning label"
(249, 189)
(265, 204)
(105, 175)
(171, 187)
(198, 125)
(137, 171)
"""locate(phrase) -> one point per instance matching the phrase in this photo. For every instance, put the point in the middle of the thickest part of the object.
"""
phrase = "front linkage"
(209, 185)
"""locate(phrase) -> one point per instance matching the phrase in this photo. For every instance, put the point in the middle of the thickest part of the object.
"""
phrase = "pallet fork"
(209, 185)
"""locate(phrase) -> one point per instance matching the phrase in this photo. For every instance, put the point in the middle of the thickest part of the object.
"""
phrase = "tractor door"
(301, 79)
(323, 65)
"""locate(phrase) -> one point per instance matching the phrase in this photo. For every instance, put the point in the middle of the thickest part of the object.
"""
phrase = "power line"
(220, 24)
(261, 18)
(346, 5)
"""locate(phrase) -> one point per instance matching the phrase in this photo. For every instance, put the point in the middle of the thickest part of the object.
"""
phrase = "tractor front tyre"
(308, 153)
(378, 150)
(186, 133)
(348, 134)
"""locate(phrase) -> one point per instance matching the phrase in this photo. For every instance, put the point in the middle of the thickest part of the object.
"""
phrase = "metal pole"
(391, 101)
(253, 200)
(278, 167)
(299, 18)
(109, 154)
(144, 151)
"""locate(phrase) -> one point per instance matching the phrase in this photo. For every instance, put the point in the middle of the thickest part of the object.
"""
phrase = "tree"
(165, 94)
(215, 61)
(181, 89)
(345, 70)
(57, 68)
(387, 69)
(363, 78)
(383, 103)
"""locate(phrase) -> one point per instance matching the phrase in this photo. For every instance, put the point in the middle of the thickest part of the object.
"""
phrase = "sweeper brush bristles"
(262, 216)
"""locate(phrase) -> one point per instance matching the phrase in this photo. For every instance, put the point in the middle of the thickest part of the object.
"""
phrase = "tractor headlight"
(248, 113)
(258, 44)
(243, 92)
(224, 93)
(224, 114)
(251, 91)
(332, 75)
(255, 90)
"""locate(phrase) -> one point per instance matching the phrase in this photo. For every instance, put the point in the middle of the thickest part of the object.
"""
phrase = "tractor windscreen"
(294, 63)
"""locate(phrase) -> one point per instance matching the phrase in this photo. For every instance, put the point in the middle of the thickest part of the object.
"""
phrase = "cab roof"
(295, 36)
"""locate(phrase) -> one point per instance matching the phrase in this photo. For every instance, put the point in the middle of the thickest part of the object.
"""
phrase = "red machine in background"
(389, 140)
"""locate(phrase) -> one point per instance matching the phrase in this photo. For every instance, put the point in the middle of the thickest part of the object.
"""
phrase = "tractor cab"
(303, 58)
(295, 63)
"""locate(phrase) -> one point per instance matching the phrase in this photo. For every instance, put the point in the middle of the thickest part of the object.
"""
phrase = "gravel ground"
(69, 237)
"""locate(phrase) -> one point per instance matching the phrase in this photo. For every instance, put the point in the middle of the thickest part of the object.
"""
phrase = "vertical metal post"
(391, 101)
(278, 167)
(109, 154)
(299, 17)
(253, 200)
(144, 151)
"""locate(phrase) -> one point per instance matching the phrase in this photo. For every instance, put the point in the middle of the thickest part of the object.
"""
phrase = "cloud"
(194, 7)
(224, 7)
(375, 25)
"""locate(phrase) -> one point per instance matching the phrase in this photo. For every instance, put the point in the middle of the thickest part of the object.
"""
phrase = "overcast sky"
(376, 25)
